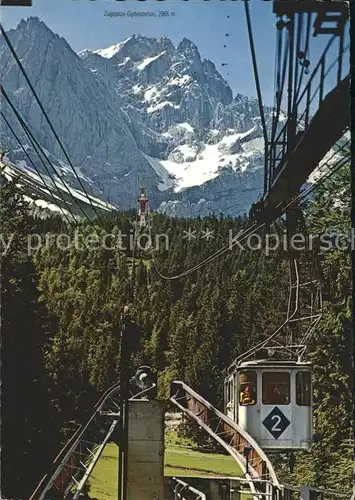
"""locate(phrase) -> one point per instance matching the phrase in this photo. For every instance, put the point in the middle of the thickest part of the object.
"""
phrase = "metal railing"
(72, 467)
(255, 466)
(329, 70)
(239, 488)
(75, 462)
(184, 491)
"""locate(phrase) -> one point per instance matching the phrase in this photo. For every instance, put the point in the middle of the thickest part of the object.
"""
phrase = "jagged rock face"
(84, 112)
(167, 85)
(140, 111)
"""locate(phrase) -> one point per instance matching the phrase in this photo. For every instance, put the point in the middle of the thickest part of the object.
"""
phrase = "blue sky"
(84, 25)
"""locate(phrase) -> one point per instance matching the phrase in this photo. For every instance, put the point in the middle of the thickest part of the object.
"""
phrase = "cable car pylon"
(270, 396)
(143, 207)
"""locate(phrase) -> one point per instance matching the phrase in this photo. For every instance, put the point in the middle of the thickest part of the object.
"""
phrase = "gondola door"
(229, 397)
(276, 409)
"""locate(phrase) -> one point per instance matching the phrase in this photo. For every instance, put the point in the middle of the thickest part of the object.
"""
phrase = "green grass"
(184, 462)
(103, 480)
(173, 439)
(179, 461)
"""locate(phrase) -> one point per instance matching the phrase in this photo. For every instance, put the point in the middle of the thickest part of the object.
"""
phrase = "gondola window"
(247, 388)
(276, 388)
(303, 389)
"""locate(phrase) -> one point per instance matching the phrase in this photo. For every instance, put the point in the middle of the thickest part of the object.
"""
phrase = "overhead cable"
(47, 119)
(37, 147)
(38, 171)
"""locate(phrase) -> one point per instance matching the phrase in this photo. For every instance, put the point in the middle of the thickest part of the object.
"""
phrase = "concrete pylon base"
(145, 467)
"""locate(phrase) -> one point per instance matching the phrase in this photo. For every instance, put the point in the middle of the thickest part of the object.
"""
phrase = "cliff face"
(139, 112)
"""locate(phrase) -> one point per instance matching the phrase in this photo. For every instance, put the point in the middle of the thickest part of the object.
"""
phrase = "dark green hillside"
(62, 317)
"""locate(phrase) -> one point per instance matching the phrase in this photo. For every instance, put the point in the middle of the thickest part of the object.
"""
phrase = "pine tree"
(29, 425)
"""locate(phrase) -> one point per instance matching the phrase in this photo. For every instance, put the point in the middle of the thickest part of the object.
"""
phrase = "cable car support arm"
(227, 434)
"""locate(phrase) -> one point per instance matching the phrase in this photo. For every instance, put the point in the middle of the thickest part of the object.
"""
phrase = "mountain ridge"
(146, 112)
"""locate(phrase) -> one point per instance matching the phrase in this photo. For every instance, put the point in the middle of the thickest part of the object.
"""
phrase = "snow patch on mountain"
(161, 105)
(181, 80)
(185, 126)
(44, 205)
(109, 52)
(149, 93)
(166, 179)
(149, 60)
(193, 165)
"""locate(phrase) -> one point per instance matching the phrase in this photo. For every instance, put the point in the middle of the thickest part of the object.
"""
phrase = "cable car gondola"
(271, 400)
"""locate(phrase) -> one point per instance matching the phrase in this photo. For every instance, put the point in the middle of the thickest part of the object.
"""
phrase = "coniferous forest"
(62, 314)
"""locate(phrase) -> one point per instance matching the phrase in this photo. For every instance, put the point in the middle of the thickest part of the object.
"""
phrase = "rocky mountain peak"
(139, 112)
(187, 47)
(35, 31)
(135, 48)
(32, 23)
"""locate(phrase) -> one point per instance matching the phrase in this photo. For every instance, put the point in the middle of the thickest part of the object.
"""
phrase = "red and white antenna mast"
(143, 207)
